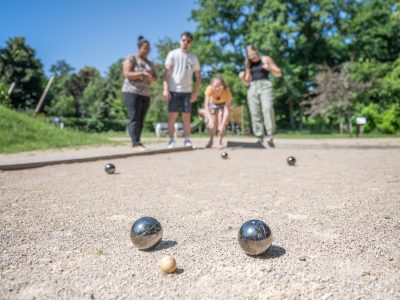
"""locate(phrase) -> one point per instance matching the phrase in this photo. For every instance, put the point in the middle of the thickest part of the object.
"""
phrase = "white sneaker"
(261, 142)
(188, 143)
(171, 144)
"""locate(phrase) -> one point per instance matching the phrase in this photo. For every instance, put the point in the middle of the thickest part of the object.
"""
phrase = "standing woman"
(139, 73)
(218, 99)
(259, 95)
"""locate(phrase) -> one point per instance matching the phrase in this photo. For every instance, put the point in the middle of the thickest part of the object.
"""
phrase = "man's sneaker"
(188, 143)
(139, 147)
(171, 144)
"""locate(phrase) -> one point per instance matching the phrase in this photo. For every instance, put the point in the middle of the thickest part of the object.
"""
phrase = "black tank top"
(258, 72)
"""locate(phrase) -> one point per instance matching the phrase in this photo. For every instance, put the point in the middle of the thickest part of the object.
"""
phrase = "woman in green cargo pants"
(259, 95)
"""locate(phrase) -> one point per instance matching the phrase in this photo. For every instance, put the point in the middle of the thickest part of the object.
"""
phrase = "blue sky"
(91, 32)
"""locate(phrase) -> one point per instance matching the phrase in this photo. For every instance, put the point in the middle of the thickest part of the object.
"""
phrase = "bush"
(371, 112)
(4, 99)
(390, 120)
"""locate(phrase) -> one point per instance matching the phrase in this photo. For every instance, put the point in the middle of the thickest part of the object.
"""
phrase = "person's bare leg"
(212, 125)
(171, 124)
(186, 124)
(221, 126)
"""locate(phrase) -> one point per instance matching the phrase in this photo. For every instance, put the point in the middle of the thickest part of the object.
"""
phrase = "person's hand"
(193, 98)
(241, 75)
(267, 66)
(147, 75)
(166, 95)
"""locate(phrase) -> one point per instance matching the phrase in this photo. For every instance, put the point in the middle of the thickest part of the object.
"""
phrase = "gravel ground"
(335, 218)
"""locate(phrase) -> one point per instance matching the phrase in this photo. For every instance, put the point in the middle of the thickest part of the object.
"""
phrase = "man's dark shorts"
(180, 102)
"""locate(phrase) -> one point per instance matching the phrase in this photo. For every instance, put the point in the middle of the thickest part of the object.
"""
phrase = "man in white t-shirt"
(180, 66)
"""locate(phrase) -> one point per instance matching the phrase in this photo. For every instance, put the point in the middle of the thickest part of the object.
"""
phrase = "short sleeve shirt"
(183, 66)
(138, 86)
(226, 95)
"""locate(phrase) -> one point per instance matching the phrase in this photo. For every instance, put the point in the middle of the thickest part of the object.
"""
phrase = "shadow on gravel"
(273, 252)
(231, 144)
(165, 245)
(179, 271)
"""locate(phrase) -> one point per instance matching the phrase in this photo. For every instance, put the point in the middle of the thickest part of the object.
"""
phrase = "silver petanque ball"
(255, 237)
(109, 168)
(146, 233)
(291, 160)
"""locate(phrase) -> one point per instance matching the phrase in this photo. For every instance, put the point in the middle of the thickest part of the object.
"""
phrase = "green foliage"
(374, 30)
(301, 35)
(63, 106)
(383, 120)
(390, 120)
(61, 68)
(21, 132)
(385, 78)
(18, 63)
(371, 112)
(4, 99)
(77, 84)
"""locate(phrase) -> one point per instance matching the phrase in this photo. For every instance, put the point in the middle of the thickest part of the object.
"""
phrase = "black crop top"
(258, 72)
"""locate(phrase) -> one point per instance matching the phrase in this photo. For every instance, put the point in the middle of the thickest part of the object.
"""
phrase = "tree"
(61, 68)
(374, 30)
(300, 35)
(78, 83)
(18, 63)
(335, 94)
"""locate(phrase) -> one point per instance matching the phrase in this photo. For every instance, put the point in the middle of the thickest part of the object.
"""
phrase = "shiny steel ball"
(291, 161)
(109, 168)
(255, 237)
(224, 155)
(146, 233)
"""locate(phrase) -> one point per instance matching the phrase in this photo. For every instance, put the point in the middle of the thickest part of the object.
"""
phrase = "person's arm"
(242, 76)
(166, 93)
(227, 109)
(270, 65)
(228, 102)
(132, 75)
(169, 65)
(197, 77)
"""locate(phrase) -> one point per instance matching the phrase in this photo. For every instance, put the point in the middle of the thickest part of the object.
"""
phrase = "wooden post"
(44, 95)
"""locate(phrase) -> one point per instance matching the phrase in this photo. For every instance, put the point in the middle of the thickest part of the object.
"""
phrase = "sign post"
(360, 122)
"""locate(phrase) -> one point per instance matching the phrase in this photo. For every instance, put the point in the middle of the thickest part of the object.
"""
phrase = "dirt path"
(335, 217)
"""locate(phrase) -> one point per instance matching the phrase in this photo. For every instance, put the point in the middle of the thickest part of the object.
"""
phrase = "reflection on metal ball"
(146, 233)
(291, 161)
(109, 168)
(255, 237)
(224, 155)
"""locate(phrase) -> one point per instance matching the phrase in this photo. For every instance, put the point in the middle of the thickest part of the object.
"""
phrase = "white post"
(11, 88)
(44, 95)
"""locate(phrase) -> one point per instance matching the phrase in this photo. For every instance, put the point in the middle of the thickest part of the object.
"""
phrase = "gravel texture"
(335, 218)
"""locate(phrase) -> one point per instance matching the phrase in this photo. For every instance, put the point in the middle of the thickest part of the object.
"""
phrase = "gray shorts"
(180, 102)
(215, 107)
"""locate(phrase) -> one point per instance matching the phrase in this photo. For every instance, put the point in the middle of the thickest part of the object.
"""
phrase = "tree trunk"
(291, 117)
(341, 125)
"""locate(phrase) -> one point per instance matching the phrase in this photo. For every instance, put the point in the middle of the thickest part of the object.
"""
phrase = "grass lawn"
(21, 132)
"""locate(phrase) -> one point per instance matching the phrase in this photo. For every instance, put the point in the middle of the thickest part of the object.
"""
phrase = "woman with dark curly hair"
(139, 73)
